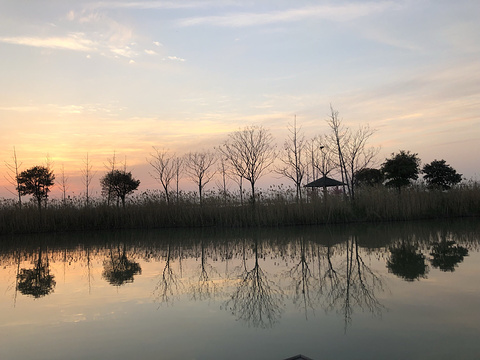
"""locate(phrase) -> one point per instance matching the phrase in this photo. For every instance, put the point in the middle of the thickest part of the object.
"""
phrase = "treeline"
(274, 208)
(365, 193)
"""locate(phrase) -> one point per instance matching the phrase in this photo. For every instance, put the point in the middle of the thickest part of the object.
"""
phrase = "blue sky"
(89, 76)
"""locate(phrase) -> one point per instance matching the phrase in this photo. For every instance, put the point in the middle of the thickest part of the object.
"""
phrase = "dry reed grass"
(276, 207)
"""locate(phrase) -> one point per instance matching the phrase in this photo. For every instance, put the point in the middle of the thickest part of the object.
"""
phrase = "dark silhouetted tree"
(368, 177)
(64, 184)
(293, 158)
(164, 169)
(36, 181)
(87, 177)
(119, 183)
(250, 153)
(439, 175)
(199, 166)
(12, 174)
(321, 159)
(351, 149)
(401, 169)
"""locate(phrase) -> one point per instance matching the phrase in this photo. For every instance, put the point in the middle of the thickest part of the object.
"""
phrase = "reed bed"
(276, 207)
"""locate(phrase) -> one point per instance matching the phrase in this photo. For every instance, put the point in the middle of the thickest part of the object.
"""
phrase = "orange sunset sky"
(96, 77)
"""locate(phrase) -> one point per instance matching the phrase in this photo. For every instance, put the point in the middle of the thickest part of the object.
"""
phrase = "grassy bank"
(277, 209)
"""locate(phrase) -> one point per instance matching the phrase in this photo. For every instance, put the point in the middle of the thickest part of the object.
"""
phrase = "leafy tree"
(368, 177)
(119, 183)
(400, 169)
(36, 181)
(440, 175)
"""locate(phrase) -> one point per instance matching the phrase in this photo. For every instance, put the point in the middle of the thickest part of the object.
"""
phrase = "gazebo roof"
(298, 357)
(324, 182)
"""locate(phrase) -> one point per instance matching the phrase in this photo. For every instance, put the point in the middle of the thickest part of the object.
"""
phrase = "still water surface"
(390, 291)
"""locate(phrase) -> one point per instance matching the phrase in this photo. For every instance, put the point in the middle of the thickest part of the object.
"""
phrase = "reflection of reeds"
(275, 207)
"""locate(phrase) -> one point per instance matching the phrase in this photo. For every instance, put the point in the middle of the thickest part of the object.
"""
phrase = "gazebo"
(323, 183)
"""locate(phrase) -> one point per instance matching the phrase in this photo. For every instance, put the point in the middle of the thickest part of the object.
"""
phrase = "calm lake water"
(388, 291)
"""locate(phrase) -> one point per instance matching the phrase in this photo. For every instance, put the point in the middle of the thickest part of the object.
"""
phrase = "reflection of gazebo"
(298, 357)
(324, 182)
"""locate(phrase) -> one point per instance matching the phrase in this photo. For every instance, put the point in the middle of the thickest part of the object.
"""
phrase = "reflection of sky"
(83, 319)
(96, 77)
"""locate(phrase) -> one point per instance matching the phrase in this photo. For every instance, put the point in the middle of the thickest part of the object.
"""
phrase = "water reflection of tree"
(256, 300)
(352, 285)
(118, 269)
(36, 282)
(302, 279)
(446, 254)
(406, 262)
(169, 284)
(204, 288)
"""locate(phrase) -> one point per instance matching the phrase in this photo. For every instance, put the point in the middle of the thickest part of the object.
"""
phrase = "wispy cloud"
(72, 41)
(155, 4)
(327, 12)
(173, 58)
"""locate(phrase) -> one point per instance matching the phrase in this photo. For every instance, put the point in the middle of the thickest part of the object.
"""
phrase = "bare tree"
(321, 157)
(250, 152)
(223, 183)
(351, 149)
(110, 166)
(12, 174)
(338, 139)
(178, 165)
(199, 167)
(239, 181)
(163, 164)
(63, 184)
(312, 152)
(293, 162)
(357, 156)
(49, 166)
(87, 177)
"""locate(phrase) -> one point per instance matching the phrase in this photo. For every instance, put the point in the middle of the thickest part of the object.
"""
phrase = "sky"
(100, 77)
